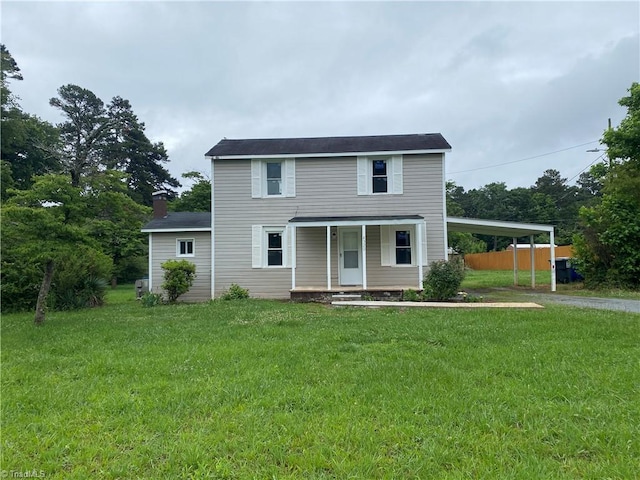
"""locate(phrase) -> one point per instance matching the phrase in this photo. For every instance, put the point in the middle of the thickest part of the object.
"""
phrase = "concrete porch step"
(346, 296)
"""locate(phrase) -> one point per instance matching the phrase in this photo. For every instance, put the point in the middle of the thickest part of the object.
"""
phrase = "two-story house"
(296, 215)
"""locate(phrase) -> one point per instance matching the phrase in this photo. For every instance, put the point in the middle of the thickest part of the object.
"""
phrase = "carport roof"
(496, 227)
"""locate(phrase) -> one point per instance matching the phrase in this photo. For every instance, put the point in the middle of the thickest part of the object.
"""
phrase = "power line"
(600, 157)
(522, 159)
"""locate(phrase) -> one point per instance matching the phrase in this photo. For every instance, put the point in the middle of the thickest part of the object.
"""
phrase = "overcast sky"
(504, 82)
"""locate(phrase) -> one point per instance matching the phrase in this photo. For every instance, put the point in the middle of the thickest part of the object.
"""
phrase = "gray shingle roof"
(328, 145)
(179, 220)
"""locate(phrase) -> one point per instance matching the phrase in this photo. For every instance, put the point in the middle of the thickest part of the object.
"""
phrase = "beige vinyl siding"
(324, 187)
(164, 248)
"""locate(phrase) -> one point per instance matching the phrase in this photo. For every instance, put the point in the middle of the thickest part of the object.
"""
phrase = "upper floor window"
(380, 179)
(185, 247)
(273, 178)
(379, 175)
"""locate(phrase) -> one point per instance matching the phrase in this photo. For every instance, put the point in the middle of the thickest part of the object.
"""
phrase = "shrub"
(150, 299)
(235, 292)
(79, 280)
(410, 296)
(443, 280)
(178, 278)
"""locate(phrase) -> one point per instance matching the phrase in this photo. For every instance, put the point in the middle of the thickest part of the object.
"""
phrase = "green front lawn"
(260, 389)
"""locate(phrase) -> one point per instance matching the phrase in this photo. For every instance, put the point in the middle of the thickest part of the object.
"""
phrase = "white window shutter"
(423, 227)
(385, 246)
(396, 169)
(363, 176)
(289, 189)
(286, 240)
(256, 178)
(256, 246)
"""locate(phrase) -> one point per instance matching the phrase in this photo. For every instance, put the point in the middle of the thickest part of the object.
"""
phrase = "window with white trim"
(270, 247)
(185, 247)
(398, 245)
(273, 174)
(403, 247)
(379, 175)
(273, 178)
(275, 249)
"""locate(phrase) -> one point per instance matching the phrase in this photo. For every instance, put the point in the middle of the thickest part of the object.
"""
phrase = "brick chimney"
(160, 204)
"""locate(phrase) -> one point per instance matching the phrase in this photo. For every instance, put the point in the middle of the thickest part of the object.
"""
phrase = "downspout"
(213, 231)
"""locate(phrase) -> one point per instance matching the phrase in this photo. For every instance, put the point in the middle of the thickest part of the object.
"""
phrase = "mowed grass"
(261, 389)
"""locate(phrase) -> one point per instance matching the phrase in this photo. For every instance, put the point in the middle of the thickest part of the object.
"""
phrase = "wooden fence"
(504, 260)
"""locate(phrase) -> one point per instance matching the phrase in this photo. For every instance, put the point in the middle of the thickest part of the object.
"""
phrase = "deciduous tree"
(607, 248)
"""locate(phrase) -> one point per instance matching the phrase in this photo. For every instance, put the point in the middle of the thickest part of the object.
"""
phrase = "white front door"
(350, 256)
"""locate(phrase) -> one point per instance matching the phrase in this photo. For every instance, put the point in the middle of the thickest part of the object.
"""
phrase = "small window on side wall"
(185, 247)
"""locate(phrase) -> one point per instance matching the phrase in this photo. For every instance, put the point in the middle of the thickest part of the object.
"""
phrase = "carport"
(513, 230)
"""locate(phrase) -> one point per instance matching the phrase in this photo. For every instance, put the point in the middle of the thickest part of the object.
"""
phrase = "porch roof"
(356, 220)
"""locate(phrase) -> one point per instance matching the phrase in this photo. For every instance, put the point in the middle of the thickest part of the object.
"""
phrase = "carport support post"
(553, 260)
(532, 248)
(515, 261)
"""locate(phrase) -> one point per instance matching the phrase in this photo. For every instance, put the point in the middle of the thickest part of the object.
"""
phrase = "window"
(399, 244)
(269, 247)
(379, 176)
(185, 247)
(273, 178)
(403, 247)
(274, 249)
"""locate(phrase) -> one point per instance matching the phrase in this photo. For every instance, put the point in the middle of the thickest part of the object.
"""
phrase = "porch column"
(420, 260)
(364, 257)
(553, 260)
(328, 257)
(293, 257)
(533, 262)
(515, 261)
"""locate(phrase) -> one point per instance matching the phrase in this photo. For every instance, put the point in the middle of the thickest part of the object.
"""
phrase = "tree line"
(75, 195)
(551, 200)
(600, 215)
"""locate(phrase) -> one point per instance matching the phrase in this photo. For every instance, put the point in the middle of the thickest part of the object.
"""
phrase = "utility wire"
(600, 157)
(522, 159)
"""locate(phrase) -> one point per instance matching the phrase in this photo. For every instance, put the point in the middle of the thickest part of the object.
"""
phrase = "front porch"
(375, 256)
(320, 294)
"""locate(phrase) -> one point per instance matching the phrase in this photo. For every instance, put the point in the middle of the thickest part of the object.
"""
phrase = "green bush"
(150, 299)
(178, 278)
(443, 280)
(411, 296)
(235, 292)
(79, 279)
